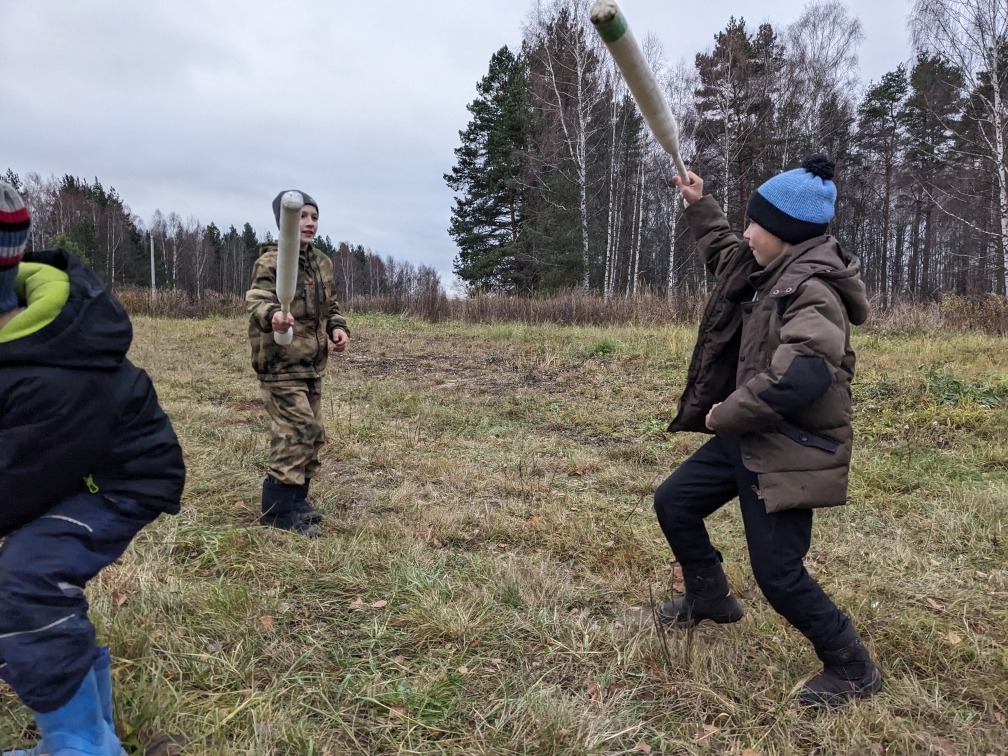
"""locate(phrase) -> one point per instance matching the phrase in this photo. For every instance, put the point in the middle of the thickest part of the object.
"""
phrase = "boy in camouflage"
(290, 377)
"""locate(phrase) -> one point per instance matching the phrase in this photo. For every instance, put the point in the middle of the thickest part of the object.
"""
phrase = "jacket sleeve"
(717, 244)
(49, 443)
(801, 369)
(334, 317)
(261, 298)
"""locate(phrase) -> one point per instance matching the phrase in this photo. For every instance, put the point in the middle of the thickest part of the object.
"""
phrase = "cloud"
(207, 109)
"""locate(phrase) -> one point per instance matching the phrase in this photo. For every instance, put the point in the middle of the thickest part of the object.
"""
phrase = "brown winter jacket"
(774, 347)
(315, 309)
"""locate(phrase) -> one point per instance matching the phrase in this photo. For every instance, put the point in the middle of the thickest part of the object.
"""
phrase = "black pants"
(778, 542)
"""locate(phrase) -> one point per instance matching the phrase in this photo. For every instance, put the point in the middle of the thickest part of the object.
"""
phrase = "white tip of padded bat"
(293, 200)
(603, 11)
(285, 338)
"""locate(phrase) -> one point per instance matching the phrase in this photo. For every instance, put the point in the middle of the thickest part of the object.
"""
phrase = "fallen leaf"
(954, 638)
(943, 746)
(266, 623)
(214, 648)
(379, 604)
(463, 670)
(643, 747)
(934, 604)
(703, 735)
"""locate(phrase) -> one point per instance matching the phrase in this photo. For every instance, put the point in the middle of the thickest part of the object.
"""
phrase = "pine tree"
(931, 115)
(488, 214)
(736, 113)
(881, 140)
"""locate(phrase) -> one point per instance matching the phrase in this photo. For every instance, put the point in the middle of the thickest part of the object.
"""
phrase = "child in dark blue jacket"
(87, 459)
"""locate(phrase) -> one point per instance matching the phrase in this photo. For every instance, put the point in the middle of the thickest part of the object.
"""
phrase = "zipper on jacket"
(318, 305)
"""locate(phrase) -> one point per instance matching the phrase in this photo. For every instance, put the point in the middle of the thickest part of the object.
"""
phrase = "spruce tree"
(487, 216)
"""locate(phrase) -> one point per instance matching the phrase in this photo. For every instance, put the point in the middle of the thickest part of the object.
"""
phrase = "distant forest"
(97, 225)
(559, 185)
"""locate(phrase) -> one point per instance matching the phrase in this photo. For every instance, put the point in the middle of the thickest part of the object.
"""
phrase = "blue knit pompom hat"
(15, 220)
(796, 205)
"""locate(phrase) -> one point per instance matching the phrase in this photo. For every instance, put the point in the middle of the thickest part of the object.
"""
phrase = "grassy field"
(490, 557)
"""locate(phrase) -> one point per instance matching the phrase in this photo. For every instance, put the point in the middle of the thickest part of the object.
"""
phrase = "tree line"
(98, 226)
(559, 184)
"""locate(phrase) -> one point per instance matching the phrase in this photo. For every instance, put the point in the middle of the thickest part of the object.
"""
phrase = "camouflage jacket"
(315, 309)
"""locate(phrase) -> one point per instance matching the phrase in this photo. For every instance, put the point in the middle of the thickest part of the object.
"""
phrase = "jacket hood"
(92, 330)
(823, 258)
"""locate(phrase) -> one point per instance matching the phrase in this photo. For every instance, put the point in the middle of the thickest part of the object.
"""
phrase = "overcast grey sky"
(208, 108)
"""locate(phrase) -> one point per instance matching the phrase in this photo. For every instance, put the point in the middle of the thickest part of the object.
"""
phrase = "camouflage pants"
(297, 433)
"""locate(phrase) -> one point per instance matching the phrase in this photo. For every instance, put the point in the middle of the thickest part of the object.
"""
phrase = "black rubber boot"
(280, 509)
(307, 512)
(707, 597)
(848, 673)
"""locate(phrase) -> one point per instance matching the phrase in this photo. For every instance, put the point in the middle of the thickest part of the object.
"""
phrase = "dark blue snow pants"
(47, 642)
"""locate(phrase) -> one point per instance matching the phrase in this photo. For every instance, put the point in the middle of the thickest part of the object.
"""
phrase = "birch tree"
(973, 36)
(735, 108)
(564, 58)
(817, 81)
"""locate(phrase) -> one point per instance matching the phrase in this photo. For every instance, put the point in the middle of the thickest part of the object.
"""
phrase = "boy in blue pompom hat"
(87, 459)
(770, 378)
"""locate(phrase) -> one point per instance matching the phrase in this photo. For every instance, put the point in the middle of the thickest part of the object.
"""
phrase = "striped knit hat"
(15, 220)
(796, 205)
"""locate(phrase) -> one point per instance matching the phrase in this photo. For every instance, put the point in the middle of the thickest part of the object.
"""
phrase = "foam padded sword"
(288, 249)
(612, 26)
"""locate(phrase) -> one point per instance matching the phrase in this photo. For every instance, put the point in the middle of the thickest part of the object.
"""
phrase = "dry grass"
(490, 555)
(984, 314)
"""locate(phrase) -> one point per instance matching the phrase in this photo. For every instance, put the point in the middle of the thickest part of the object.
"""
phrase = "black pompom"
(819, 165)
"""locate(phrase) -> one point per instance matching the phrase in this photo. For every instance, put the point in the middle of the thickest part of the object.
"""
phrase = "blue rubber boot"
(77, 728)
(103, 679)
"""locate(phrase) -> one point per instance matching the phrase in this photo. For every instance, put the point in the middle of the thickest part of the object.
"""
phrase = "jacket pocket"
(807, 438)
(299, 305)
